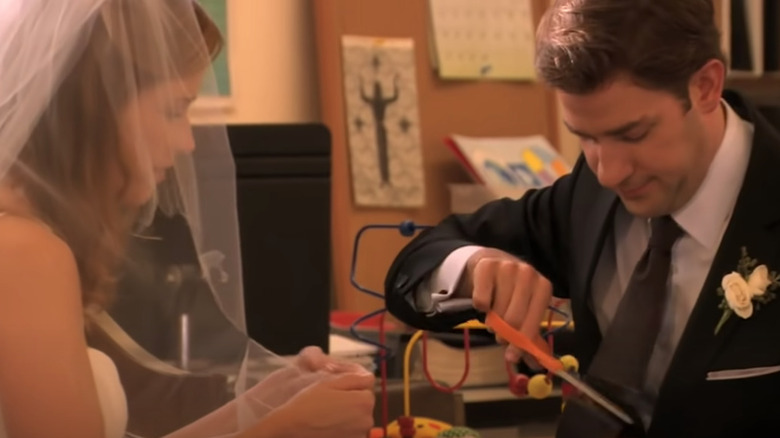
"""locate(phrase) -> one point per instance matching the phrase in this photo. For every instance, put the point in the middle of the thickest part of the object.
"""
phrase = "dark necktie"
(619, 367)
(628, 343)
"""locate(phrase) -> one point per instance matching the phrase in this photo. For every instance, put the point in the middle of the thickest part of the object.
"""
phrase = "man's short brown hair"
(659, 44)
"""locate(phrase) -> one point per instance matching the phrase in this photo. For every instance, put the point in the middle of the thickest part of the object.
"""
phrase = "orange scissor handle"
(536, 348)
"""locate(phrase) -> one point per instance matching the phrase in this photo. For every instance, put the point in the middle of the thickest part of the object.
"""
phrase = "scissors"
(539, 350)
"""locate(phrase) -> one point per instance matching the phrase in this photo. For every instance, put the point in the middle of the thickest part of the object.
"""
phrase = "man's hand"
(513, 289)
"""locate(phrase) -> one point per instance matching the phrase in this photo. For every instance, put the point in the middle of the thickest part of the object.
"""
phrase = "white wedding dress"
(110, 393)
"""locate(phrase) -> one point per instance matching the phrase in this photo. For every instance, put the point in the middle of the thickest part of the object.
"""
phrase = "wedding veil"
(95, 137)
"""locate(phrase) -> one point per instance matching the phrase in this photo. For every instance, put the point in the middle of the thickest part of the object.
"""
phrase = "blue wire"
(353, 268)
(362, 319)
(406, 228)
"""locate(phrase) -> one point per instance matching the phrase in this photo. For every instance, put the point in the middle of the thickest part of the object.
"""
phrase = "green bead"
(458, 432)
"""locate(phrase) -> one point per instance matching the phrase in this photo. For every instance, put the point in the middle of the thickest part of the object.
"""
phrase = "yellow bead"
(539, 386)
(570, 363)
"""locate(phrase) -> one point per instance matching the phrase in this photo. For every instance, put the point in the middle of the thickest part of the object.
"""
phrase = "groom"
(677, 188)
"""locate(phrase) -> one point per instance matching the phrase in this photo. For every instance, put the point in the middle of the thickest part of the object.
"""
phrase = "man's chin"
(644, 208)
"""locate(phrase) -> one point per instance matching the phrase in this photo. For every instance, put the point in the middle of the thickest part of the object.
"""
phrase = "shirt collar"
(706, 214)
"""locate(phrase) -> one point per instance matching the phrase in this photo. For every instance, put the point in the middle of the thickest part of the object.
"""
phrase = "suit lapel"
(755, 214)
(594, 219)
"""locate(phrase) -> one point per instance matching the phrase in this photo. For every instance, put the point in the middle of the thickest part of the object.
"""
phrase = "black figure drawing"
(379, 103)
(380, 90)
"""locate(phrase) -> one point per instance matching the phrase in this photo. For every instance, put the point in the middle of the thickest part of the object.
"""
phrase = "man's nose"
(614, 165)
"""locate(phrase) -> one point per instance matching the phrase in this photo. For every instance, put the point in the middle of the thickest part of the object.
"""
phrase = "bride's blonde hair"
(75, 145)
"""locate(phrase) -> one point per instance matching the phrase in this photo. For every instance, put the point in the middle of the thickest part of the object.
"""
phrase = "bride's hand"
(314, 359)
(308, 368)
(339, 407)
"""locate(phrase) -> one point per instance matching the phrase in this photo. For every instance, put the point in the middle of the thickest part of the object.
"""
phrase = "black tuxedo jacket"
(561, 230)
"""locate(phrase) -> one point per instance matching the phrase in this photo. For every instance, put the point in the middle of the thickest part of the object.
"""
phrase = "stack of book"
(446, 359)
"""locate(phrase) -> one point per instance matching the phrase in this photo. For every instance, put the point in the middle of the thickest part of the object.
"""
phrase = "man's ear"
(706, 86)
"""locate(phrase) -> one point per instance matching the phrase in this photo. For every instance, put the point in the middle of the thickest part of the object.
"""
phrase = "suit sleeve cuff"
(442, 282)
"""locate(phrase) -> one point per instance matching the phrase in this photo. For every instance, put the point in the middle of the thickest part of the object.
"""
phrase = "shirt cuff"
(442, 282)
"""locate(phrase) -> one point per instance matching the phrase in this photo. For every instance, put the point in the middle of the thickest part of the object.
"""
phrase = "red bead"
(518, 385)
(567, 390)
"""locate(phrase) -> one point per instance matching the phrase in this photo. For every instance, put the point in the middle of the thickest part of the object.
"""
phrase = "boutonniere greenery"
(746, 289)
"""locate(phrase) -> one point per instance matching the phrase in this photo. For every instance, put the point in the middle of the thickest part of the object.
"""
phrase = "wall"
(272, 63)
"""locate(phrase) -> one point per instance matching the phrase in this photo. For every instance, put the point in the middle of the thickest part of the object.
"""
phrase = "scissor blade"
(595, 396)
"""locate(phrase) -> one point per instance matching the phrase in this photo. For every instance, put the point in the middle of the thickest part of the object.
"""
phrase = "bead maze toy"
(538, 386)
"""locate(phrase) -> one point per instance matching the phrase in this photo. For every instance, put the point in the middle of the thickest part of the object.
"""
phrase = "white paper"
(489, 39)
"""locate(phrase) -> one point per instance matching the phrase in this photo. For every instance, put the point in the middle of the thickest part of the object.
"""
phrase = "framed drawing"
(380, 91)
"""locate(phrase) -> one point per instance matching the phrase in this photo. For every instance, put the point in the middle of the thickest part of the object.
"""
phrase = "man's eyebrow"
(614, 132)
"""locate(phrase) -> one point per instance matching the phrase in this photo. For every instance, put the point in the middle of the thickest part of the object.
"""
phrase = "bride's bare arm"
(268, 400)
(45, 376)
(222, 422)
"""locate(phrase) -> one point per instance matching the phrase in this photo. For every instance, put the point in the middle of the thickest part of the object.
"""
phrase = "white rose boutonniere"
(739, 294)
(746, 289)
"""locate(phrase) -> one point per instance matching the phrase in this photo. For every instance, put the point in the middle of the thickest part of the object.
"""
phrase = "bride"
(97, 158)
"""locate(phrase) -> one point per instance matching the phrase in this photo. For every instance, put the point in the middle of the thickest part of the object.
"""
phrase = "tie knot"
(665, 232)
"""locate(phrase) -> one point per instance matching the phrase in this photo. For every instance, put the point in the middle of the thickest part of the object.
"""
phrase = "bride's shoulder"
(34, 260)
(22, 236)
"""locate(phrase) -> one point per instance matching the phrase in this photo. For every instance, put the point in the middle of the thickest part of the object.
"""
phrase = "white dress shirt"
(704, 219)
